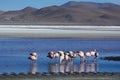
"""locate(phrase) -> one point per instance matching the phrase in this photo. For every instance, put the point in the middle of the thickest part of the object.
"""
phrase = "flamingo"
(88, 54)
(81, 54)
(56, 55)
(66, 57)
(33, 56)
(92, 53)
(95, 54)
(51, 55)
(72, 55)
(61, 53)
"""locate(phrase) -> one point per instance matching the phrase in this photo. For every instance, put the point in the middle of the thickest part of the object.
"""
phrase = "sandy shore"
(75, 76)
(83, 32)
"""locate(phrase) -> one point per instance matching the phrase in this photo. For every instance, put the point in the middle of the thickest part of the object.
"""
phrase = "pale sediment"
(62, 32)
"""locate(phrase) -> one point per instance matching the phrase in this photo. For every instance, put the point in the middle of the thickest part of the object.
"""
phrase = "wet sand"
(83, 32)
(65, 76)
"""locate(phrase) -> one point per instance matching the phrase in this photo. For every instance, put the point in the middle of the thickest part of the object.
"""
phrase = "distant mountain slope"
(71, 13)
(1, 12)
(16, 16)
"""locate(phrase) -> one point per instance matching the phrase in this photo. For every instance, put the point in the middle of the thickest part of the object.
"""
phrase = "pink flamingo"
(62, 56)
(33, 56)
(92, 53)
(82, 56)
(59, 54)
(66, 57)
(51, 54)
(72, 55)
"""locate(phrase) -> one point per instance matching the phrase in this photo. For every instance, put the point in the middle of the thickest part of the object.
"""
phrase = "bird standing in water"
(33, 56)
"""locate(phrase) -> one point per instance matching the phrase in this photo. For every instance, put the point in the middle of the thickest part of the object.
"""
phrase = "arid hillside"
(71, 13)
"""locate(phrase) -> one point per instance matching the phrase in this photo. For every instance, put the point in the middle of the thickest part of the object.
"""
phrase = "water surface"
(15, 51)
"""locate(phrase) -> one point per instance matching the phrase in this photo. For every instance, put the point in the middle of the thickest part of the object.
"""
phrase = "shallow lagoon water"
(15, 51)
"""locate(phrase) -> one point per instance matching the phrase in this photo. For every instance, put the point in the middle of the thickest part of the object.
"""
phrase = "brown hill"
(71, 13)
(15, 16)
(1, 12)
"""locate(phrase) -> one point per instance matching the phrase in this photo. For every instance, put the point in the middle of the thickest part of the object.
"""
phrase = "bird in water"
(33, 56)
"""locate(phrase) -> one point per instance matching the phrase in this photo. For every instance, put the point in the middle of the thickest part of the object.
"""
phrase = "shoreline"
(80, 32)
(62, 76)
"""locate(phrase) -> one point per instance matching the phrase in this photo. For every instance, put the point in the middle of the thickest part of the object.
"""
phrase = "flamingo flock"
(67, 56)
(83, 56)
(70, 55)
(66, 61)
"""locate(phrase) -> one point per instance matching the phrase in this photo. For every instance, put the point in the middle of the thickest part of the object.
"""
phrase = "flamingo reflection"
(88, 67)
(67, 67)
(53, 68)
(91, 68)
(82, 67)
(71, 68)
(63, 68)
(33, 68)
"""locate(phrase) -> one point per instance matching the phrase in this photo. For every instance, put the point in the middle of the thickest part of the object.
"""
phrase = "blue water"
(14, 53)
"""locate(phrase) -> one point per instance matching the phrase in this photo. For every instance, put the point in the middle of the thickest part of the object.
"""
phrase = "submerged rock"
(111, 58)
